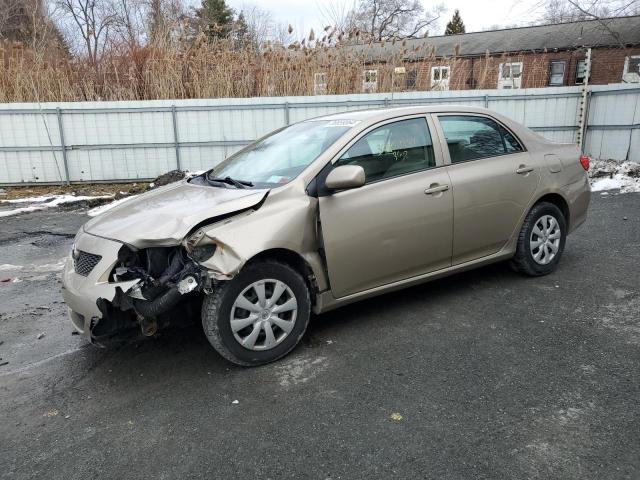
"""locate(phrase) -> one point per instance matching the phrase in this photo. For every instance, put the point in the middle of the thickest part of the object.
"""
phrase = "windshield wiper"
(232, 181)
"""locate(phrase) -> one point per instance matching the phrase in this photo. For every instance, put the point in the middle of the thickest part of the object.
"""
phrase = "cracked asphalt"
(486, 374)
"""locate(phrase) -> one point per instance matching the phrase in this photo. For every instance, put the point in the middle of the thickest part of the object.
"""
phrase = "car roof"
(391, 112)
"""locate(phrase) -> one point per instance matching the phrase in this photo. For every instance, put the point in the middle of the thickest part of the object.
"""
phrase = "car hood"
(165, 216)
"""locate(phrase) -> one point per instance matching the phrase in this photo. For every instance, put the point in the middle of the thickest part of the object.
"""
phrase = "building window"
(581, 71)
(370, 81)
(556, 73)
(320, 83)
(412, 79)
(510, 75)
(440, 78)
(399, 78)
(631, 69)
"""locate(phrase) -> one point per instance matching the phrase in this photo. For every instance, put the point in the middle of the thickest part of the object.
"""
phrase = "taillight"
(584, 161)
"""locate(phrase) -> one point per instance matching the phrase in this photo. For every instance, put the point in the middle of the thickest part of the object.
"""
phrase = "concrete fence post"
(286, 113)
(63, 146)
(176, 141)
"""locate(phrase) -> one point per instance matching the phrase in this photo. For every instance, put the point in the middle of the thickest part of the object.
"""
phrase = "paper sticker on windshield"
(278, 179)
(343, 123)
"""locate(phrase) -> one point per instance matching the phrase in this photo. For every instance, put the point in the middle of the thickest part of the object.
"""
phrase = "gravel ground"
(485, 374)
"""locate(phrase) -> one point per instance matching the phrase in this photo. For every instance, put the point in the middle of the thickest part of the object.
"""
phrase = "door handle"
(435, 188)
(523, 169)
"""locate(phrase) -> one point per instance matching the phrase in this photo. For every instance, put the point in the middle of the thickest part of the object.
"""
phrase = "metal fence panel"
(103, 141)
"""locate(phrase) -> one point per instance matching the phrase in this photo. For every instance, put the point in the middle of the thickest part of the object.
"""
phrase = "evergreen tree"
(241, 34)
(456, 25)
(216, 18)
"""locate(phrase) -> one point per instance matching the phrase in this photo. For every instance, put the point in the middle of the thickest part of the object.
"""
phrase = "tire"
(225, 301)
(531, 261)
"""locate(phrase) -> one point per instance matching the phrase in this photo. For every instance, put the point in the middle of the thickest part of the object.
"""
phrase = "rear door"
(399, 224)
(493, 180)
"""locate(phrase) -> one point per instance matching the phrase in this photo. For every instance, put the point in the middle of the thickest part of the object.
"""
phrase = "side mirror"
(345, 177)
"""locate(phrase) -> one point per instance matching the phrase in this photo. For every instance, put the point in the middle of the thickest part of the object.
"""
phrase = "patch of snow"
(103, 208)
(8, 266)
(16, 211)
(44, 202)
(610, 175)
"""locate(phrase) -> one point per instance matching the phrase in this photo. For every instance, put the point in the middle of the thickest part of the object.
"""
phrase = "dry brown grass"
(216, 70)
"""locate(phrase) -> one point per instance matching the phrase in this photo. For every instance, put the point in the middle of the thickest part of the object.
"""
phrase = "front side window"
(394, 149)
(283, 155)
(471, 138)
(556, 73)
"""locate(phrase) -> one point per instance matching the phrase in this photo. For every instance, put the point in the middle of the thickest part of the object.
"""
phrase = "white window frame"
(370, 81)
(584, 61)
(320, 83)
(627, 76)
(564, 72)
(440, 83)
(511, 82)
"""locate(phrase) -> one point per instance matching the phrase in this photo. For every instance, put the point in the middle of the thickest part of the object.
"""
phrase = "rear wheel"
(258, 316)
(541, 240)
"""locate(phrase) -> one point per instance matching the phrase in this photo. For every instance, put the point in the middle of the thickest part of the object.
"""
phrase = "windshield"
(283, 155)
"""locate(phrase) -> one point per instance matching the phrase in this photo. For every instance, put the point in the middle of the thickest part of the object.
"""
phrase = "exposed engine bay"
(170, 287)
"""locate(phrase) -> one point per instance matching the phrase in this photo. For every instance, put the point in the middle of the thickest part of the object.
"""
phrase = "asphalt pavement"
(483, 375)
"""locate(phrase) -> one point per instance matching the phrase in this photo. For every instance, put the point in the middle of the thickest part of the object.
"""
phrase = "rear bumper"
(79, 292)
(578, 195)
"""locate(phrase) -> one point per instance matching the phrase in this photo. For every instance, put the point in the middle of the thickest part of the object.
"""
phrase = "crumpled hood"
(164, 216)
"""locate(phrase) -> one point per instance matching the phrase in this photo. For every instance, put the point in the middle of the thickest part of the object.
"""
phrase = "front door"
(493, 181)
(399, 224)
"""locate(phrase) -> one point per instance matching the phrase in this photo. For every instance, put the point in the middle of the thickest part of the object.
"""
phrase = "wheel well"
(294, 260)
(559, 202)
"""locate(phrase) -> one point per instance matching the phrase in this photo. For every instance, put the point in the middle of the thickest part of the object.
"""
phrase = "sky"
(476, 14)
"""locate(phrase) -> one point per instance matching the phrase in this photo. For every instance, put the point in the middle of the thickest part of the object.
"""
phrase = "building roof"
(608, 32)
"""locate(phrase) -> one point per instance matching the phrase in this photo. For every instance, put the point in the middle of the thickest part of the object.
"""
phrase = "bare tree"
(386, 19)
(260, 25)
(336, 14)
(560, 11)
(90, 21)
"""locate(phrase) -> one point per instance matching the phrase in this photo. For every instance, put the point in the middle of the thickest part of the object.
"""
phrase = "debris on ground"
(396, 417)
(167, 178)
(3, 364)
(613, 175)
(41, 335)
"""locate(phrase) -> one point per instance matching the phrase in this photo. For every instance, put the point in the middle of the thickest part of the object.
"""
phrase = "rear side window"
(471, 137)
(392, 150)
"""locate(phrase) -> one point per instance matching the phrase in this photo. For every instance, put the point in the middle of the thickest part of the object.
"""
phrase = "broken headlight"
(202, 253)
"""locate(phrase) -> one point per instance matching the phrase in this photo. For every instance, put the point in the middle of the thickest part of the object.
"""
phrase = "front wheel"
(541, 240)
(259, 316)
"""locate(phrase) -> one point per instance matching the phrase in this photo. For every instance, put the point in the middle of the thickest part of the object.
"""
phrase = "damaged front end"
(169, 285)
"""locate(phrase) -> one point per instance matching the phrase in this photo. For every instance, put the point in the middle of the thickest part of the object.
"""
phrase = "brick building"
(527, 57)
